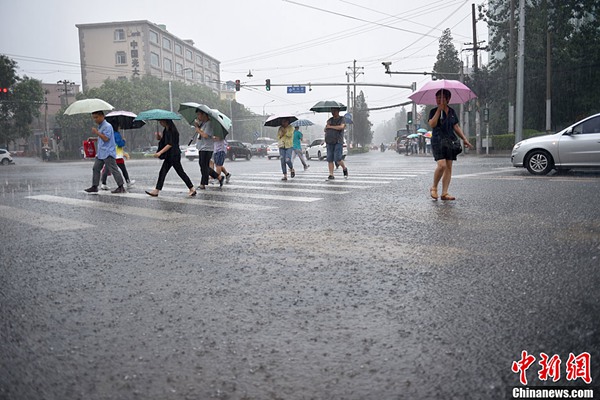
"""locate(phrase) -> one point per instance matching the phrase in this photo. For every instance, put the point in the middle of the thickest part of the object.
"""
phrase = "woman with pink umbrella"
(444, 124)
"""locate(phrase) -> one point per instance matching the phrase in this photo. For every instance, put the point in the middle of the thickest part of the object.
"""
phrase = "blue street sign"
(296, 89)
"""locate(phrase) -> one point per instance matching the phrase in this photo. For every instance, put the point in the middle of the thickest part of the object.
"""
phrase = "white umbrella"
(88, 106)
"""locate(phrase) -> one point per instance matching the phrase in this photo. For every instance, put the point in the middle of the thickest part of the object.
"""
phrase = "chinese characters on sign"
(135, 61)
(576, 367)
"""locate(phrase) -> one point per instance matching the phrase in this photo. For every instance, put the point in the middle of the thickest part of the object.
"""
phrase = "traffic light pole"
(332, 84)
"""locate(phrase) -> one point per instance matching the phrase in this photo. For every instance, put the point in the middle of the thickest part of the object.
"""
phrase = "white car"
(5, 157)
(191, 153)
(273, 151)
(577, 146)
(318, 149)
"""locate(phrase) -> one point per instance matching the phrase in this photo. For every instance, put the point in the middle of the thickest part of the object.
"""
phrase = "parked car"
(5, 157)
(318, 149)
(191, 153)
(237, 149)
(273, 151)
(259, 149)
(577, 146)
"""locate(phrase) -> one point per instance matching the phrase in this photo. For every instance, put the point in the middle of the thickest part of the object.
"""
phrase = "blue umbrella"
(156, 114)
(302, 122)
(348, 118)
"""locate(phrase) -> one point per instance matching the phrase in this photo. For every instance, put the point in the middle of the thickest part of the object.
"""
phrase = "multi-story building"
(134, 48)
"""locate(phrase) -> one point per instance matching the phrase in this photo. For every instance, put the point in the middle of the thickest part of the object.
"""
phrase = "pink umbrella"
(459, 91)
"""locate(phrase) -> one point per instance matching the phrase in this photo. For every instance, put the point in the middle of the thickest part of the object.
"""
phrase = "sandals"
(447, 197)
(434, 194)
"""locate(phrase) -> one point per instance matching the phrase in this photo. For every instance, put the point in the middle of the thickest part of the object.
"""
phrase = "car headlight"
(517, 146)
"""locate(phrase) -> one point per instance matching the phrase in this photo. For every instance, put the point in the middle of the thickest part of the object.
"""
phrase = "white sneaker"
(131, 183)
(103, 187)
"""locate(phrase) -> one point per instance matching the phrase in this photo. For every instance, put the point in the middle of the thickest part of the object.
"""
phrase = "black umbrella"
(124, 120)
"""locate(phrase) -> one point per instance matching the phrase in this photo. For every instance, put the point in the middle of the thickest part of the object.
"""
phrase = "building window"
(178, 49)
(178, 69)
(189, 74)
(154, 60)
(119, 35)
(153, 37)
(121, 58)
(198, 59)
(215, 67)
(207, 63)
(189, 55)
(166, 43)
(200, 78)
(167, 65)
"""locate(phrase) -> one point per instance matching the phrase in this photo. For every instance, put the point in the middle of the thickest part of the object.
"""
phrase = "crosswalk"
(251, 192)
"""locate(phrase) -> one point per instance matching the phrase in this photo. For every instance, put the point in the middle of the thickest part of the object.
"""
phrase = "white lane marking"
(338, 183)
(381, 177)
(321, 179)
(39, 220)
(497, 171)
(242, 185)
(221, 192)
(185, 199)
(111, 207)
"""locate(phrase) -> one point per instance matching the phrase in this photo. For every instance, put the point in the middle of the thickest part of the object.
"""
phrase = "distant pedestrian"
(220, 153)
(334, 139)
(285, 141)
(297, 148)
(120, 151)
(106, 154)
(170, 153)
(444, 122)
(205, 146)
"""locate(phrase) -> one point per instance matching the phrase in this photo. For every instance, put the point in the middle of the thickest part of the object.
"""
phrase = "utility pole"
(520, 74)
(548, 71)
(511, 70)
(66, 90)
(354, 69)
(476, 47)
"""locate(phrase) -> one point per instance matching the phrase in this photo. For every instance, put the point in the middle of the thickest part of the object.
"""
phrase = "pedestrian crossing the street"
(259, 192)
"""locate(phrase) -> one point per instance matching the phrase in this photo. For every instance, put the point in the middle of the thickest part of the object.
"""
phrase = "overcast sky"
(291, 42)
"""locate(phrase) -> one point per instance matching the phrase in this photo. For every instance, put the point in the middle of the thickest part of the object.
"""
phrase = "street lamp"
(263, 114)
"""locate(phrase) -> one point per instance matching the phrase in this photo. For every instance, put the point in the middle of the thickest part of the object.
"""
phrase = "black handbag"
(453, 145)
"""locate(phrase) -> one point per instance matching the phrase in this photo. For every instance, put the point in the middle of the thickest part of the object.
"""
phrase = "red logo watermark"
(576, 367)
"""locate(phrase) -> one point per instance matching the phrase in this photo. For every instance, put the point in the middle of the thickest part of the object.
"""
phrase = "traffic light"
(409, 119)
(57, 134)
(268, 84)
(3, 93)
(237, 85)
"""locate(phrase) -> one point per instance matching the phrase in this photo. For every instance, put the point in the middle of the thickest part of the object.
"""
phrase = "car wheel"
(5, 161)
(269, 158)
(539, 162)
(190, 158)
(248, 157)
(307, 156)
(319, 156)
(232, 157)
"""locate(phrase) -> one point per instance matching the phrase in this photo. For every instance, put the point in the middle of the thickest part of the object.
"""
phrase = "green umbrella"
(422, 130)
(188, 110)
(157, 114)
(327, 105)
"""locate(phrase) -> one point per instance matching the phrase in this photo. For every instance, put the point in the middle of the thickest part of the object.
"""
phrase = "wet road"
(357, 289)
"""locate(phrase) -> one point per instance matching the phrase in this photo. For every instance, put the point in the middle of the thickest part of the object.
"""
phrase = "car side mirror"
(569, 132)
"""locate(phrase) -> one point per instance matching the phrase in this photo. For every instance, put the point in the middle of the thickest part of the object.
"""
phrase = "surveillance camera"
(387, 64)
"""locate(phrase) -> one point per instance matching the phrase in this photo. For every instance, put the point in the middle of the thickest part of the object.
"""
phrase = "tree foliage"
(448, 64)
(20, 105)
(362, 126)
(148, 92)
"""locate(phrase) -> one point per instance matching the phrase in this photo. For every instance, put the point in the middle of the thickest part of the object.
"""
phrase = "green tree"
(448, 64)
(362, 126)
(20, 106)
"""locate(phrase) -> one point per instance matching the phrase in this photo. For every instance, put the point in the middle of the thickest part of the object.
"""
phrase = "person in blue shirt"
(297, 146)
(107, 154)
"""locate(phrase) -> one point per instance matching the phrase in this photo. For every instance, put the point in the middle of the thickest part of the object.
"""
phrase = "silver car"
(577, 146)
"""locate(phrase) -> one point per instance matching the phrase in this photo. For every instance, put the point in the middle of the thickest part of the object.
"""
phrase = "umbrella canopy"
(459, 91)
(156, 114)
(275, 120)
(413, 135)
(348, 118)
(124, 120)
(302, 122)
(421, 130)
(88, 106)
(188, 110)
(327, 105)
(428, 134)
